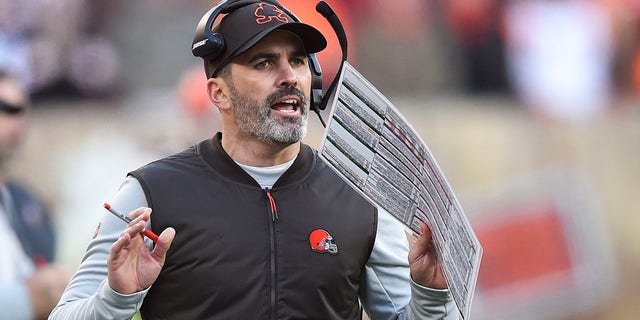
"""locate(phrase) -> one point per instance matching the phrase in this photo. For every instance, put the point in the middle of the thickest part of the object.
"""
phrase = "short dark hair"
(209, 68)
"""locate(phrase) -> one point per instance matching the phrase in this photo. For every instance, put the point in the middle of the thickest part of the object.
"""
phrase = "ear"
(218, 92)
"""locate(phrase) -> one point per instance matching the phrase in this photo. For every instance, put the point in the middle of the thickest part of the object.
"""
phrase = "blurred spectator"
(48, 44)
(16, 21)
(394, 32)
(475, 29)
(30, 285)
(559, 56)
(626, 19)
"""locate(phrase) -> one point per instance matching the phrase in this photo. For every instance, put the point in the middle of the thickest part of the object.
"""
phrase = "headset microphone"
(325, 10)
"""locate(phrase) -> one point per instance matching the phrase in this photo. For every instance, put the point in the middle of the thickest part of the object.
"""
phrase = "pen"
(148, 233)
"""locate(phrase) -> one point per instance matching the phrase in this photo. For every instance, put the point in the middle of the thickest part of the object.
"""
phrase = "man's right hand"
(131, 267)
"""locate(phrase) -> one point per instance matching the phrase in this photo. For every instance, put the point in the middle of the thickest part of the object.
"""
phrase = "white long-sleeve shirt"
(15, 268)
(389, 291)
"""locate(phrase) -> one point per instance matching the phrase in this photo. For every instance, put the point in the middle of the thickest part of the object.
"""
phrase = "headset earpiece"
(205, 42)
(210, 45)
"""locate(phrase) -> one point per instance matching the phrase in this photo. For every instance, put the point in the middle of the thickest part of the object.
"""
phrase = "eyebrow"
(260, 56)
(271, 55)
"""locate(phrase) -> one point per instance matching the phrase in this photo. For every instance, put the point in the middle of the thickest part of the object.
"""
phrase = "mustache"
(288, 91)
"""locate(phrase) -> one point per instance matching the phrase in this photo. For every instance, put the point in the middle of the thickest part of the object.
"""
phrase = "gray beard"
(255, 118)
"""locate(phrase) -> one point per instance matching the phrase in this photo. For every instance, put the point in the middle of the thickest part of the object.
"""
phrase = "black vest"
(238, 255)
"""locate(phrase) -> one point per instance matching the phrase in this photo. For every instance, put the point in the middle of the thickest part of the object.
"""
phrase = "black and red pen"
(148, 233)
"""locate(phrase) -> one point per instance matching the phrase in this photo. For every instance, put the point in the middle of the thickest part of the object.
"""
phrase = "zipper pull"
(272, 205)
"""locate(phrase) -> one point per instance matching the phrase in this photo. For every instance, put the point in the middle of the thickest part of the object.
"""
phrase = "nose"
(288, 76)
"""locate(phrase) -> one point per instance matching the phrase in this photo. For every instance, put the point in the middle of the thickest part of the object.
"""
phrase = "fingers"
(164, 243)
(422, 244)
(121, 243)
(426, 232)
(139, 214)
(424, 265)
(139, 222)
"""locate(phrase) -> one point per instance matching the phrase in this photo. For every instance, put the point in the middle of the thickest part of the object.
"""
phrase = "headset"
(210, 45)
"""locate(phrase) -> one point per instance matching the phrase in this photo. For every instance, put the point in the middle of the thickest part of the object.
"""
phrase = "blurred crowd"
(565, 59)
(562, 58)
(54, 45)
(119, 76)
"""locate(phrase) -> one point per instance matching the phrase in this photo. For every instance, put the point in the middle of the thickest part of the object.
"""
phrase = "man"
(29, 285)
(254, 225)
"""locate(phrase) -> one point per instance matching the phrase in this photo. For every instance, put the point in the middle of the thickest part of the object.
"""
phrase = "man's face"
(12, 125)
(269, 89)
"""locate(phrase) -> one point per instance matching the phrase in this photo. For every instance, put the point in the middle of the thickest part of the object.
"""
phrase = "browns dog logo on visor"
(265, 13)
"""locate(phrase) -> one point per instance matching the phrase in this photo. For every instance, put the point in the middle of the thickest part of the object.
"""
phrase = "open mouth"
(287, 105)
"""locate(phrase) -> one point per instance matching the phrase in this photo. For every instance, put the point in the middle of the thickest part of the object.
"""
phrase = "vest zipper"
(272, 247)
(272, 205)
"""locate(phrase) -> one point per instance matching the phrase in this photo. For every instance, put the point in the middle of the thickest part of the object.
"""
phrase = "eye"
(263, 64)
(299, 61)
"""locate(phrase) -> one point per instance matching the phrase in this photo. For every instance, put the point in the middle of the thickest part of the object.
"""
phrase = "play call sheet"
(370, 144)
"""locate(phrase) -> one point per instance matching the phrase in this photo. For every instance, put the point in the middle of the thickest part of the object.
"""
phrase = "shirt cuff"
(429, 303)
(122, 302)
(430, 294)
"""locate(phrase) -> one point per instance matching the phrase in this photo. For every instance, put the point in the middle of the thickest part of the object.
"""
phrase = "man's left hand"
(425, 267)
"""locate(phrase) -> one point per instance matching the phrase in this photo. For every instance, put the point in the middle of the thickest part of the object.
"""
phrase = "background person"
(29, 285)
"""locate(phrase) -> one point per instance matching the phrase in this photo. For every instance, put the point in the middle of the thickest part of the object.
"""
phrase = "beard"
(255, 118)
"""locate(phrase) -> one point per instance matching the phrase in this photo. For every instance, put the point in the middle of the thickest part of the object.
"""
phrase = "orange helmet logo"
(321, 241)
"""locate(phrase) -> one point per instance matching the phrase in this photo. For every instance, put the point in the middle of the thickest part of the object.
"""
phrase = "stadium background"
(502, 92)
